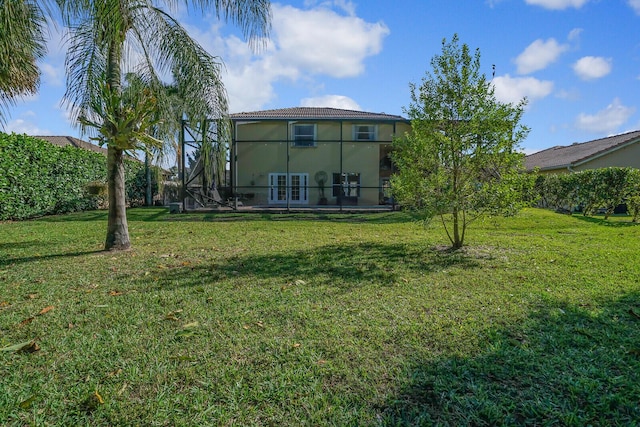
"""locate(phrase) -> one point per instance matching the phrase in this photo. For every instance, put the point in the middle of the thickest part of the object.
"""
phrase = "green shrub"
(592, 190)
(38, 178)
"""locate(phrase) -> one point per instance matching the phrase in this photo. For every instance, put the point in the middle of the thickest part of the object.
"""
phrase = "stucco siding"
(628, 156)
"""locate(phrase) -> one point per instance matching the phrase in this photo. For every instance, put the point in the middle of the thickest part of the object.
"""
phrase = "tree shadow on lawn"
(564, 366)
(343, 264)
(136, 214)
(6, 261)
(606, 222)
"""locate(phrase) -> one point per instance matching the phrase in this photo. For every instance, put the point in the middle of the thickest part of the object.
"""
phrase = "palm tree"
(110, 38)
(21, 45)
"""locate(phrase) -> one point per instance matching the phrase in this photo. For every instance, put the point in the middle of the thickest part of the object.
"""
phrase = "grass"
(319, 320)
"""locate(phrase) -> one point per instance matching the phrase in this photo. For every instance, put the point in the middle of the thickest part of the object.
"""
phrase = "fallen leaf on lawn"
(31, 348)
(102, 306)
(32, 296)
(26, 321)
(191, 325)
(114, 373)
(124, 387)
(26, 404)
(185, 263)
(246, 326)
(322, 362)
(296, 345)
(114, 293)
(17, 347)
(300, 282)
(92, 401)
(260, 324)
(4, 304)
(46, 310)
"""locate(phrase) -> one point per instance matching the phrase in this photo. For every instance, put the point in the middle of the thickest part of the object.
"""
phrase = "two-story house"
(313, 156)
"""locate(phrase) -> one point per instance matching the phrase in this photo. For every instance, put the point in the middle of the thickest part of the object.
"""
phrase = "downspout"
(288, 186)
(234, 165)
(182, 172)
(340, 197)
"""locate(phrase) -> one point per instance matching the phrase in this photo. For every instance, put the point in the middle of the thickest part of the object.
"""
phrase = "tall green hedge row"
(592, 191)
(38, 178)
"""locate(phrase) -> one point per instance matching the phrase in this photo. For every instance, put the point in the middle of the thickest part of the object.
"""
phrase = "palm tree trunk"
(117, 227)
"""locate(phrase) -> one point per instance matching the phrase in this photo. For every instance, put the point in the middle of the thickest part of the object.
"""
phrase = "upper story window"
(364, 132)
(304, 135)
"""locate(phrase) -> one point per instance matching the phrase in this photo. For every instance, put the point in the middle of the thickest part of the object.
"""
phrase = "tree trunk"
(117, 227)
(457, 241)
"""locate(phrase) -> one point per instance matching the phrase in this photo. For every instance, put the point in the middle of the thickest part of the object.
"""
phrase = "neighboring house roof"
(314, 113)
(560, 157)
(63, 141)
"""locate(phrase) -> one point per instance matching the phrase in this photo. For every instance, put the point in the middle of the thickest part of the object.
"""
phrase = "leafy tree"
(460, 159)
(21, 45)
(111, 36)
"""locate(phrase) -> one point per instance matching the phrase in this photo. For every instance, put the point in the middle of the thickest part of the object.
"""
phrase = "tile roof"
(571, 155)
(315, 113)
(63, 141)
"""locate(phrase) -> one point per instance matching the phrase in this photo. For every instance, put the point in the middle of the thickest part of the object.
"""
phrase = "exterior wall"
(628, 156)
(261, 150)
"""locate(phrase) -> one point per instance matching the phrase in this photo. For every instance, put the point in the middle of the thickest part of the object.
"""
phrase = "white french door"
(293, 188)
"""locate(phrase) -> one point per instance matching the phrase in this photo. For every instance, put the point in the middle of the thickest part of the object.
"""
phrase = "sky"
(576, 61)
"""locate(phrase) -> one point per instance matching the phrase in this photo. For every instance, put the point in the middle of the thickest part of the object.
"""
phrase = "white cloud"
(607, 120)
(320, 41)
(538, 55)
(21, 126)
(51, 74)
(304, 44)
(333, 101)
(592, 67)
(558, 4)
(574, 35)
(513, 89)
(635, 5)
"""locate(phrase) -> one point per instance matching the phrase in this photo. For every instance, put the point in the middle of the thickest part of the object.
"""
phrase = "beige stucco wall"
(261, 149)
(628, 156)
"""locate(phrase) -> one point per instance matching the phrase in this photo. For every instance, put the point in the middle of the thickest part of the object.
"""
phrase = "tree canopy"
(119, 53)
(22, 43)
(461, 159)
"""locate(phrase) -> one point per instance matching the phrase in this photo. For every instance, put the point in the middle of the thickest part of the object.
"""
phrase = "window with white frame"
(304, 135)
(364, 132)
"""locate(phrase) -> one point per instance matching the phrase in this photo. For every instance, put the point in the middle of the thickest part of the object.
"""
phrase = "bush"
(38, 178)
(592, 190)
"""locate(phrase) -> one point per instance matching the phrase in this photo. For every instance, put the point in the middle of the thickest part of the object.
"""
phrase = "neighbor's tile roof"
(315, 113)
(571, 155)
(63, 141)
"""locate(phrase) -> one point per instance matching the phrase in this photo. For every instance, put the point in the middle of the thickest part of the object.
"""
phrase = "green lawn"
(319, 320)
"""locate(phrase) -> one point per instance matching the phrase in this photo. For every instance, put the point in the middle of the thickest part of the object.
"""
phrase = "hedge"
(592, 191)
(38, 178)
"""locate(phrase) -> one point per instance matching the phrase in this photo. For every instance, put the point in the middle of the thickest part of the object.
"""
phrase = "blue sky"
(577, 61)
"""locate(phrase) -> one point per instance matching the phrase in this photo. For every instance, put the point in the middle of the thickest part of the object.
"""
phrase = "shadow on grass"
(564, 366)
(607, 222)
(344, 265)
(136, 214)
(5, 261)
(370, 217)
(152, 214)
